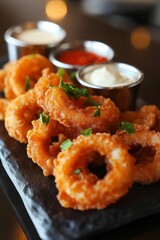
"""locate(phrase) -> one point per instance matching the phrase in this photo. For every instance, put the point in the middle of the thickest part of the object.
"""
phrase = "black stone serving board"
(53, 222)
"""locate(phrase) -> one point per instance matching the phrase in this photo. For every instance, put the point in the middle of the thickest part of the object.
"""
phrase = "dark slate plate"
(38, 194)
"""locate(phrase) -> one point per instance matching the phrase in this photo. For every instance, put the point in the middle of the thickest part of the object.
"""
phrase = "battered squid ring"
(147, 167)
(3, 105)
(2, 78)
(72, 113)
(85, 190)
(19, 114)
(47, 80)
(3, 73)
(146, 115)
(31, 66)
(40, 147)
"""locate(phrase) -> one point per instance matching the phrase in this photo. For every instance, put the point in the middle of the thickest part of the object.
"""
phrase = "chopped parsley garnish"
(66, 144)
(97, 113)
(72, 76)
(44, 118)
(87, 132)
(128, 127)
(61, 72)
(77, 171)
(27, 83)
(73, 91)
(50, 85)
(91, 102)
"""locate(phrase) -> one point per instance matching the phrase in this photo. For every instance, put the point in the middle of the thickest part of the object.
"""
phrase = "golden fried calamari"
(144, 145)
(28, 68)
(146, 115)
(92, 127)
(3, 105)
(73, 112)
(67, 111)
(20, 112)
(78, 187)
(44, 142)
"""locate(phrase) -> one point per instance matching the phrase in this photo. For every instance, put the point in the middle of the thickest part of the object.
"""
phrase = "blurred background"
(130, 27)
(121, 14)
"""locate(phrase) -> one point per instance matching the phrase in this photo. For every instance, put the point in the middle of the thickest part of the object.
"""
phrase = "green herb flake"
(50, 85)
(97, 113)
(91, 102)
(128, 127)
(66, 144)
(87, 132)
(61, 72)
(44, 118)
(72, 76)
(27, 83)
(73, 91)
(77, 171)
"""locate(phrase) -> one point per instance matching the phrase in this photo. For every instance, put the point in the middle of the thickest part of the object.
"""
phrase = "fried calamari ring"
(44, 142)
(29, 66)
(72, 113)
(47, 80)
(8, 90)
(78, 187)
(145, 147)
(3, 73)
(2, 78)
(19, 114)
(3, 105)
(146, 115)
(157, 125)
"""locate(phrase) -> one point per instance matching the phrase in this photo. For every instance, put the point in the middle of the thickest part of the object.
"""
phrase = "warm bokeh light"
(140, 38)
(56, 9)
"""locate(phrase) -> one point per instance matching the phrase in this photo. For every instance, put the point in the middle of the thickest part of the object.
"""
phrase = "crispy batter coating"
(3, 105)
(44, 142)
(128, 158)
(30, 66)
(146, 115)
(19, 114)
(157, 125)
(2, 78)
(8, 90)
(145, 147)
(45, 82)
(85, 190)
(3, 73)
(71, 114)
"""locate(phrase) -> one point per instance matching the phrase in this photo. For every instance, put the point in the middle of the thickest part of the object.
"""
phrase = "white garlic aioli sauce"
(107, 76)
(38, 36)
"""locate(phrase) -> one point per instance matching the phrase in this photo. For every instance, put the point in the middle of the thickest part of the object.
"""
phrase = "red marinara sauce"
(80, 57)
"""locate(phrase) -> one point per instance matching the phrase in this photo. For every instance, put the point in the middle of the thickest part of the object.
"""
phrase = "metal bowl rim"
(75, 45)
(118, 64)
(14, 41)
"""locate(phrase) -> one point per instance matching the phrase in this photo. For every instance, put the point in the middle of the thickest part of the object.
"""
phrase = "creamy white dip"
(38, 36)
(107, 76)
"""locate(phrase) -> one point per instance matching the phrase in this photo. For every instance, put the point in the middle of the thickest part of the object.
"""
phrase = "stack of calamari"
(70, 134)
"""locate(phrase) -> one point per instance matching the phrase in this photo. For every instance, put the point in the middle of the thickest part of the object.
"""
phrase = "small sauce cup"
(73, 55)
(33, 37)
(124, 93)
